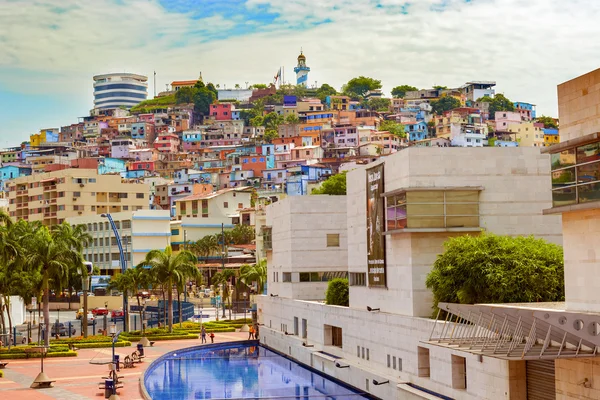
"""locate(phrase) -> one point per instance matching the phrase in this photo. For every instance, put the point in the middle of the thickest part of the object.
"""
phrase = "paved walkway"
(76, 378)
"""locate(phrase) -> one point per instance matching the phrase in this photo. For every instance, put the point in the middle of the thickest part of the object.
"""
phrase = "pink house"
(167, 143)
(221, 111)
(504, 118)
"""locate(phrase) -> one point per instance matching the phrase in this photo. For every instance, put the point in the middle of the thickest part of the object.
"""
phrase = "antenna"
(154, 83)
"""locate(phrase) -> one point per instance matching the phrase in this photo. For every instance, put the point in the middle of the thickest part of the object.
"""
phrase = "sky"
(51, 49)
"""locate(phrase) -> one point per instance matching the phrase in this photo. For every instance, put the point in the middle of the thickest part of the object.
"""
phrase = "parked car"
(117, 314)
(144, 295)
(100, 311)
(90, 318)
(62, 329)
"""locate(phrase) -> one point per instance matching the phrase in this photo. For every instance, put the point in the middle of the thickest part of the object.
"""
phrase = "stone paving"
(78, 379)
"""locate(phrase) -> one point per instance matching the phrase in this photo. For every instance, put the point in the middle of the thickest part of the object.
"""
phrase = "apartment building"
(52, 197)
(140, 232)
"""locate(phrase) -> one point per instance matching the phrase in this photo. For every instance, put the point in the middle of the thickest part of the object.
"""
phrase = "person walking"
(251, 332)
(256, 332)
(203, 334)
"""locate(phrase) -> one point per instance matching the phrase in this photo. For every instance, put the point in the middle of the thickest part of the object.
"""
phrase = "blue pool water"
(237, 371)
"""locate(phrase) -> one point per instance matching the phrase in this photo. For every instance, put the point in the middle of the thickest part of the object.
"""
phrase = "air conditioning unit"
(81, 185)
(80, 212)
(74, 198)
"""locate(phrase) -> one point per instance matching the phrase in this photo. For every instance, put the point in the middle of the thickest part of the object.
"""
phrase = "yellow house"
(37, 139)
(528, 134)
(551, 136)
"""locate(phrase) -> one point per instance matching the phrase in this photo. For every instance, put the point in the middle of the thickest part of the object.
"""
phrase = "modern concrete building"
(52, 197)
(140, 232)
(310, 232)
(112, 91)
(399, 212)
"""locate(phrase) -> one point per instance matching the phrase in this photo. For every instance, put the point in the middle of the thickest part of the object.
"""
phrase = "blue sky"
(50, 49)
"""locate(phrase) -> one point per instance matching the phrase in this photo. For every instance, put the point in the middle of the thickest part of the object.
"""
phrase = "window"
(433, 209)
(304, 328)
(240, 205)
(122, 195)
(333, 335)
(101, 242)
(286, 276)
(125, 208)
(358, 279)
(423, 362)
(92, 180)
(115, 257)
(394, 363)
(127, 224)
(267, 233)
(459, 372)
(139, 195)
(93, 208)
(388, 361)
(296, 330)
(333, 240)
(321, 276)
(225, 204)
(205, 208)
(575, 175)
(76, 194)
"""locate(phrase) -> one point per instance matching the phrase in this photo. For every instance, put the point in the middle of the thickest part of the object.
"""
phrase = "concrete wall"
(516, 188)
(571, 375)
(382, 334)
(578, 101)
(300, 225)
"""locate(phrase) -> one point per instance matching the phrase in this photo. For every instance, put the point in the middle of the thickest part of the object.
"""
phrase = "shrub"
(1, 374)
(165, 337)
(121, 343)
(337, 292)
(23, 355)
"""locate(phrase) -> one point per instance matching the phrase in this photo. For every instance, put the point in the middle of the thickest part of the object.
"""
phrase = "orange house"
(255, 162)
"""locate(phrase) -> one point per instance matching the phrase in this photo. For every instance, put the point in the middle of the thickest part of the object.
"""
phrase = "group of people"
(252, 334)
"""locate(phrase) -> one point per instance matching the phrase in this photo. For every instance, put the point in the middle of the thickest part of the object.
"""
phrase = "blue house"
(111, 165)
(415, 130)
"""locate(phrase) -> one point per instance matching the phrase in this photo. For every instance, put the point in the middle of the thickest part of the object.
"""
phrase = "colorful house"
(415, 130)
(551, 136)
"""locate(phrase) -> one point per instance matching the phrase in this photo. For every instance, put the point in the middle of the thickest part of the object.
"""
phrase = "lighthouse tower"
(301, 70)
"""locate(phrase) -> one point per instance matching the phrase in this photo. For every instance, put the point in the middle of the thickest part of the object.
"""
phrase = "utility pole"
(154, 83)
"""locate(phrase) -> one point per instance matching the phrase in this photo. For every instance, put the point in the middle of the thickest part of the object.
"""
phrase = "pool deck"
(77, 379)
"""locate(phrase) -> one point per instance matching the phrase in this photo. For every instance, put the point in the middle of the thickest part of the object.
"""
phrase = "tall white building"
(112, 91)
(400, 211)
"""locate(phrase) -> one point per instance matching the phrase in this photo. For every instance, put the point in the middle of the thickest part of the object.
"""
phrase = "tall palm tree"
(53, 258)
(170, 269)
(224, 278)
(255, 273)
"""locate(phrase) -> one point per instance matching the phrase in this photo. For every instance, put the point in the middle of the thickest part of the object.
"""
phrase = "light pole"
(85, 286)
(123, 268)
(112, 330)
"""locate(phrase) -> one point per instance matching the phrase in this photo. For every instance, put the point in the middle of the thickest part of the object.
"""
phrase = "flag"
(277, 76)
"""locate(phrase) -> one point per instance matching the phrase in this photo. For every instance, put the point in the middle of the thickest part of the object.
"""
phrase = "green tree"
(400, 91)
(292, 119)
(379, 104)
(497, 269)
(52, 257)
(270, 134)
(242, 234)
(258, 86)
(439, 87)
(326, 90)
(225, 279)
(185, 95)
(272, 120)
(257, 121)
(170, 269)
(203, 98)
(497, 103)
(356, 88)
(549, 122)
(334, 185)
(255, 273)
(337, 293)
(393, 127)
(445, 103)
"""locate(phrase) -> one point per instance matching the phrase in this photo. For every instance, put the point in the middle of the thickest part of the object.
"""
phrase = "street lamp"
(112, 330)
(123, 261)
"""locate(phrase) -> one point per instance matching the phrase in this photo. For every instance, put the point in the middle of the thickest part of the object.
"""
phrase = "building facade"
(117, 90)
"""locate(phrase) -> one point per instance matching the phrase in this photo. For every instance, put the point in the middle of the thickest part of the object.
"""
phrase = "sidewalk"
(77, 379)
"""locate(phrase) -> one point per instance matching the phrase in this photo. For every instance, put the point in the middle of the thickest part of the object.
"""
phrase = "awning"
(516, 332)
(48, 180)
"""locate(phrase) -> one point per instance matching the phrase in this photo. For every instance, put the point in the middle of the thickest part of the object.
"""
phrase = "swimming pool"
(237, 371)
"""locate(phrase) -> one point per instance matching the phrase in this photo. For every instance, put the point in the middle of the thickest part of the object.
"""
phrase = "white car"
(90, 318)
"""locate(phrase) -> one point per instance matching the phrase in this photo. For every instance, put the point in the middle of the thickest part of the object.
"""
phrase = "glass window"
(563, 159)
(588, 152)
(587, 193)
(564, 197)
(304, 277)
(563, 177)
(585, 173)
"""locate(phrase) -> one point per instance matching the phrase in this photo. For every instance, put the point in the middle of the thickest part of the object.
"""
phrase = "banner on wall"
(375, 227)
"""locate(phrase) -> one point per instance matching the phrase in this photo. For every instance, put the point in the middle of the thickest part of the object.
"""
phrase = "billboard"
(375, 227)
(289, 101)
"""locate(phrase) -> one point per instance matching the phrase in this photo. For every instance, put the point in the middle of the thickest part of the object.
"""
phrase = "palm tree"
(255, 273)
(223, 278)
(53, 258)
(171, 269)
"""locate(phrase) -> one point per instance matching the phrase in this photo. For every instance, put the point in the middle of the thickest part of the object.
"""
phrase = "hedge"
(1, 374)
(121, 343)
(163, 337)
(81, 339)
(18, 356)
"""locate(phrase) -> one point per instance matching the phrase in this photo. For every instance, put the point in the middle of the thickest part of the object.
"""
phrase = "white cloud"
(528, 47)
